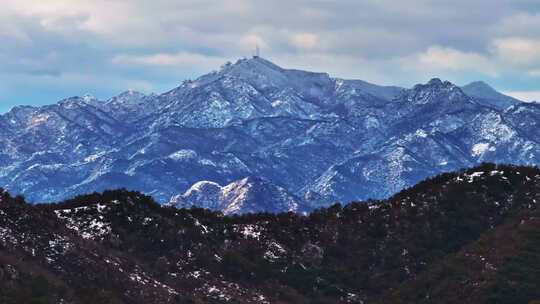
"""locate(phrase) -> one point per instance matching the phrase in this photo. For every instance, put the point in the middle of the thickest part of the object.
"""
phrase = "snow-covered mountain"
(248, 195)
(321, 139)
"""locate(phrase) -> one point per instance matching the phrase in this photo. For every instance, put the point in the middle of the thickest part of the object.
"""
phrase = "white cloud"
(181, 59)
(523, 24)
(518, 51)
(249, 42)
(304, 40)
(528, 96)
(436, 59)
(166, 41)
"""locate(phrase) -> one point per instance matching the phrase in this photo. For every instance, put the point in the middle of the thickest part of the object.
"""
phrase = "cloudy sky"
(58, 48)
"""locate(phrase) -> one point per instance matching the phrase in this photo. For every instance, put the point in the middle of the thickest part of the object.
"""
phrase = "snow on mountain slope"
(320, 138)
(130, 105)
(438, 128)
(248, 195)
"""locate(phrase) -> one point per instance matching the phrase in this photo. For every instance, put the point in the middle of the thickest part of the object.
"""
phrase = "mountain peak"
(257, 61)
(89, 97)
(131, 92)
(128, 97)
(251, 67)
(433, 91)
(479, 84)
(479, 87)
(487, 95)
(251, 70)
(250, 194)
(77, 101)
(435, 81)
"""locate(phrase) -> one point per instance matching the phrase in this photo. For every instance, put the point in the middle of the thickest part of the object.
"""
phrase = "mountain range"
(471, 236)
(228, 138)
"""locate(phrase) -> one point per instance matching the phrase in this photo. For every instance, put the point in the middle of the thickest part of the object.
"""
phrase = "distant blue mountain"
(488, 95)
(311, 138)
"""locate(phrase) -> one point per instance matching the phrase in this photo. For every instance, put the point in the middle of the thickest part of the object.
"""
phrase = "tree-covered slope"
(469, 236)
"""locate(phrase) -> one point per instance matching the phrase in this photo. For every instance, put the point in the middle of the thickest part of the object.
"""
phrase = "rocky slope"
(321, 139)
(249, 195)
(466, 237)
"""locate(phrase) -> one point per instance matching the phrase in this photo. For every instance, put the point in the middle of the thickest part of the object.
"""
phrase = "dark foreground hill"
(466, 237)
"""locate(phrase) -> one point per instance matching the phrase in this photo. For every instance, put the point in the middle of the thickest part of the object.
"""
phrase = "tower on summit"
(257, 51)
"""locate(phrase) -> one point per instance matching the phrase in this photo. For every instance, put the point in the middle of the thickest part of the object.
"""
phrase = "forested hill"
(465, 237)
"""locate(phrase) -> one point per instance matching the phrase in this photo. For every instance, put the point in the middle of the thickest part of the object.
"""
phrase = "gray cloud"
(58, 47)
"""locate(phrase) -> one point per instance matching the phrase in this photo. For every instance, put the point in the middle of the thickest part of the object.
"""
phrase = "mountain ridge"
(421, 244)
(314, 135)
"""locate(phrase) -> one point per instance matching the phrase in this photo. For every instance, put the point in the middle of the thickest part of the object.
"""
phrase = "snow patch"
(184, 154)
(480, 149)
